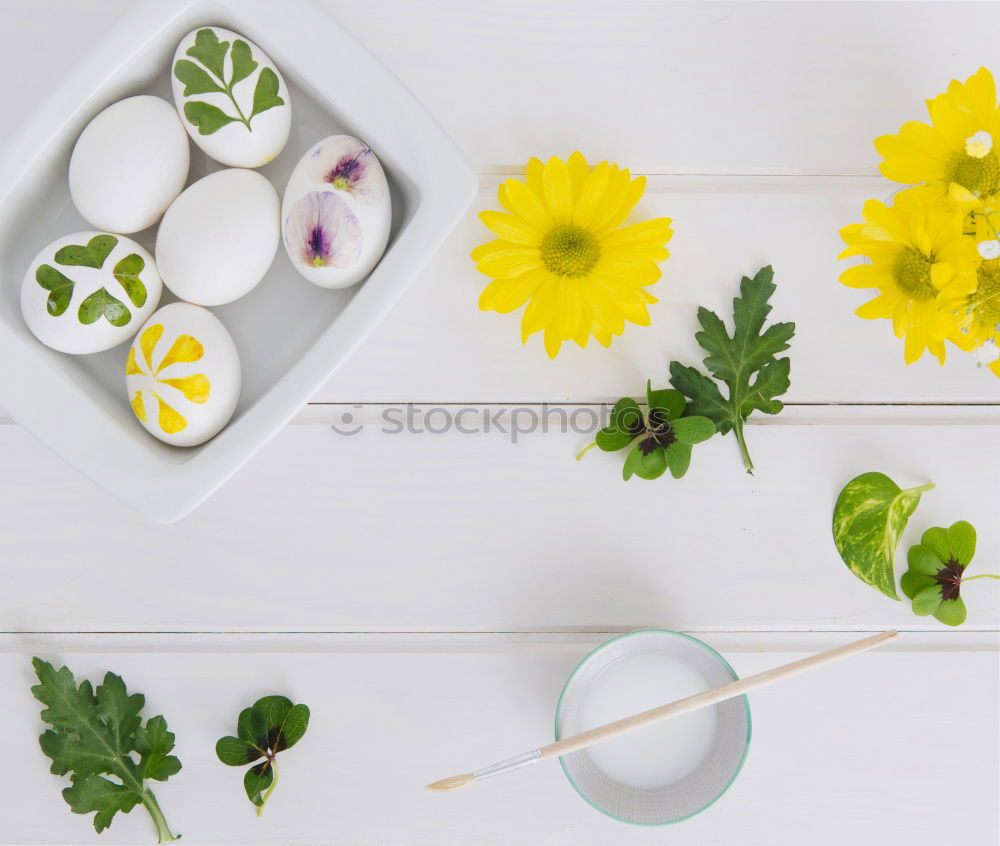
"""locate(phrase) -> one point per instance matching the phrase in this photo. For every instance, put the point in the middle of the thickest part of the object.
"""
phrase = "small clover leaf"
(103, 304)
(936, 570)
(271, 725)
(93, 255)
(660, 440)
(60, 289)
(127, 273)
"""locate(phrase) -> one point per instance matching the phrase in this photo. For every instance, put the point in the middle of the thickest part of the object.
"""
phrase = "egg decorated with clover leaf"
(336, 212)
(232, 100)
(89, 291)
(183, 375)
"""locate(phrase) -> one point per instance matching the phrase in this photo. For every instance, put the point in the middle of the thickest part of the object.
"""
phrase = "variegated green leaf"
(868, 519)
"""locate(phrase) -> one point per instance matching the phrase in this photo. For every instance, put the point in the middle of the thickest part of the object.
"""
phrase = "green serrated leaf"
(96, 793)
(744, 361)
(127, 273)
(693, 430)
(195, 79)
(208, 50)
(60, 289)
(235, 752)
(206, 117)
(100, 304)
(154, 743)
(265, 95)
(868, 519)
(243, 62)
(256, 780)
(93, 254)
(94, 734)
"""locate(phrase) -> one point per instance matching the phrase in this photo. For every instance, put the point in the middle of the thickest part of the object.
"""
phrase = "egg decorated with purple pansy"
(336, 212)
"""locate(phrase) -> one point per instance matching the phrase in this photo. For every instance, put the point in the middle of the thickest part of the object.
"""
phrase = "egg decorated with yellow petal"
(183, 375)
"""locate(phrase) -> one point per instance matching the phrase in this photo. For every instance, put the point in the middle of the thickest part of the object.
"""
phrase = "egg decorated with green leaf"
(89, 291)
(231, 98)
(183, 375)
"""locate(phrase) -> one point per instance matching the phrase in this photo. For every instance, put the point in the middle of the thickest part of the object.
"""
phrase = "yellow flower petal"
(590, 195)
(138, 407)
(656, 231)
(170, 421)
(633, 193)
(558, 190)
(148, 341)
(505, 295)
(511, 228)
(512, 262)
(184, 350)
(131, 368)
(528, 205)
(196, 388)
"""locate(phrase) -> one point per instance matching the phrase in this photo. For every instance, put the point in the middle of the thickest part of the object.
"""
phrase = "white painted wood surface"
(754, 123)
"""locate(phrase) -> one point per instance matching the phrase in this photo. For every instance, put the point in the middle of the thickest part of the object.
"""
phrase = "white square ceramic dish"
(291, 335)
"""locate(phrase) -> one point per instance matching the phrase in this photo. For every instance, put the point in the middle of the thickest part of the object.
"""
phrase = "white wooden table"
(427, 594)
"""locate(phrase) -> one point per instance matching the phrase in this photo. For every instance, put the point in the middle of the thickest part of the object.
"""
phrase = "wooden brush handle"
(709, 697)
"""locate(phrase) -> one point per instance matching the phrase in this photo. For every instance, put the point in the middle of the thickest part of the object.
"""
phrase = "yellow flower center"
(979, 174)
(986, 301)
(912, 274)
(569, 250)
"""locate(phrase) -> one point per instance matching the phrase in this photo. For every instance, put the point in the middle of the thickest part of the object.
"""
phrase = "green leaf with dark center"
(243, 62)
(868, 519)
(92, 255)
(668, 401)
(625, 425)
(271, 725)
(693, 430)
(196, 80)
(127, 273)
(258, 779)
(208, 50)
(265, 95)
(647, 460)
(206, 117)
(235, 752)
(679, 459)
(951, 612)
(60, 289)
(100, 304)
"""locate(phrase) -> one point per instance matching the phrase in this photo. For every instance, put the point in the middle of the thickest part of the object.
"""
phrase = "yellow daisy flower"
(562, 249)
(921, 263)
(956, 154)
(982, 313)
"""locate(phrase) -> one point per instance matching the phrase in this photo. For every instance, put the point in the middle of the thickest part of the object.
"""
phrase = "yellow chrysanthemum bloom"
(562, 249)
(957, 154)
(982, 313)
(922, 265)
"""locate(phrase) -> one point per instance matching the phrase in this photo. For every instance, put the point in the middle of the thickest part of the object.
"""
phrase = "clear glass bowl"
(692, 793)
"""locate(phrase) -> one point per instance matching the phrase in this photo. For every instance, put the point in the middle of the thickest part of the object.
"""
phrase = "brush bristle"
(452, 783)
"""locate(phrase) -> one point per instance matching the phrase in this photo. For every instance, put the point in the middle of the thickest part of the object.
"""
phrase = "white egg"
(336, 212)
(183, 375)
(217, 240)
(231, 97)
(129, 164)
(89, 291)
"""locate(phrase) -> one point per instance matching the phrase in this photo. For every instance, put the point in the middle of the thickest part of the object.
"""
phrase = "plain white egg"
(233, 101)
(183, 375)
(336, 212)
(129, 164)
(89, 291)
(217, 240)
